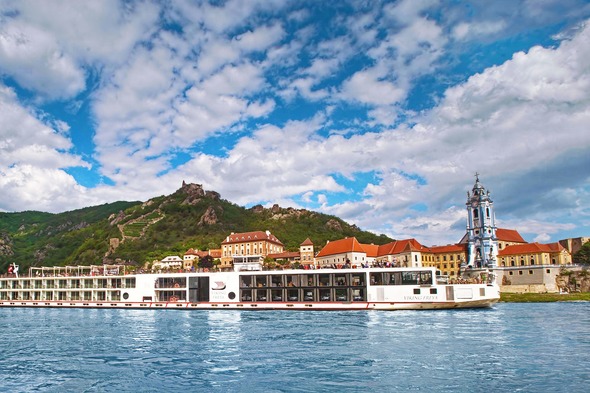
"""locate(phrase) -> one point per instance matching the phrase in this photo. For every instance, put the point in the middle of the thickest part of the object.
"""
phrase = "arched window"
(522, 262)
(532, 261)
(488, 212)
(475, 213)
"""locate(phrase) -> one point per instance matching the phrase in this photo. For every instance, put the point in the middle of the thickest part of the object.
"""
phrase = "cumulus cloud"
(258, 93)
(45, 46)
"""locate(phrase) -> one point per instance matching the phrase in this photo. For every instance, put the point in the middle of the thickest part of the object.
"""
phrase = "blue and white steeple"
(482, 243)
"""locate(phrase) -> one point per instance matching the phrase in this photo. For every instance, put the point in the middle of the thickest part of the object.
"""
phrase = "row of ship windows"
(63, 295)
(71, 283)
(337, 279)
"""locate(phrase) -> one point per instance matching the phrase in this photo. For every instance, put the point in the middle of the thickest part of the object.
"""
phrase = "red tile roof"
(307, 242)
(399, 246)
(215, 253)
(509, 235)
(448, 248)
(530, 248)
(349, 244)
(251, 237)
(371, 250)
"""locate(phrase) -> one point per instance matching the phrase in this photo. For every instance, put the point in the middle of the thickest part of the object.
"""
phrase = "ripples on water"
(512, 347)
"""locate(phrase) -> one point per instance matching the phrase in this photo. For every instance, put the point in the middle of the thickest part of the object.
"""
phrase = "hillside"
(137, 232)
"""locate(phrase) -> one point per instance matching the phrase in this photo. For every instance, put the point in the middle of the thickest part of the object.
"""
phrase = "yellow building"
(253, 245)
(530, 254)
(446, 259)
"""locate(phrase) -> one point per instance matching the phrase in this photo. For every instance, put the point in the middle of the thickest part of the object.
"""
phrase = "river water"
(512, 347)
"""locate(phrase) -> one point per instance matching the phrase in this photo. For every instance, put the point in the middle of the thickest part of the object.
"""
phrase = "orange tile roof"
(448, 248)
(251, 237)
(530, 248)
(349, 244)
(399, 246)
(371, 250)
(191, 251)
(307, 242)
(215, 253)
(509, 235)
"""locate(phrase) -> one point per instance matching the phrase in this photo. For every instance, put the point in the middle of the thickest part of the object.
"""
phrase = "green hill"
(137, 232)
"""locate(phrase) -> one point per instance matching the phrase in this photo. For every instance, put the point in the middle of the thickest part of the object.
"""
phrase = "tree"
(582, 257)
(206, 262)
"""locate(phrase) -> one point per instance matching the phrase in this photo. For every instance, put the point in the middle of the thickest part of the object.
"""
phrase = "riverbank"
(543, 297)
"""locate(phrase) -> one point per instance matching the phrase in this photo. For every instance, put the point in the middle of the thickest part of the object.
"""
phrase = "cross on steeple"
(476, 176)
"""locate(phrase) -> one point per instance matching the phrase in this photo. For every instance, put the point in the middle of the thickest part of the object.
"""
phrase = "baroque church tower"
(482, 243)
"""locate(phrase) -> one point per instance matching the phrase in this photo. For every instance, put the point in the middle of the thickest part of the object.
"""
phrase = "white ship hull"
(325, 289)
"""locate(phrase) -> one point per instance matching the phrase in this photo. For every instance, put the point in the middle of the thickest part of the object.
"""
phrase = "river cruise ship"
(321, 289)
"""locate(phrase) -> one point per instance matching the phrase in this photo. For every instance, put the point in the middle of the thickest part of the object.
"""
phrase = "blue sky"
(378, 112)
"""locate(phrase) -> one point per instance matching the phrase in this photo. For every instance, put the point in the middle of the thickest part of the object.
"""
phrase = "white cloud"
(44, 189)
(35, 60)
(26, 140)
(474, 31)
(45, 46)
(369, 86)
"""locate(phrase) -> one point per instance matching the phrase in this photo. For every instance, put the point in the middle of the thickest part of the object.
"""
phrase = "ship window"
(308, 280)
(358, 279)
(325, 295)
(433, 291)
(341, 295)
(277, 280)
(324, 280)
(277, 295)
(293, 295)
(376, 279)
(246, 281)
(260, 281)
(416, 291)
(409, 278)
(247, 296)
(261, 295)
(293, 281)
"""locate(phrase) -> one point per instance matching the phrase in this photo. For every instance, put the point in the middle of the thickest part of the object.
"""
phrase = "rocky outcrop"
(209, 217)
(115, 219)
(41, 254)
(194, 193)
(257, 209)
(5, 245)
(334, 224)
(573, 281)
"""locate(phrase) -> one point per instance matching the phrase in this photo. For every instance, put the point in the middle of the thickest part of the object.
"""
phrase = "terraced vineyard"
(135, 228)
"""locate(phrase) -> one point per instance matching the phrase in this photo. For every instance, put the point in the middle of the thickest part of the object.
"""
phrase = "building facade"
(306, 253)
(255, 245)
